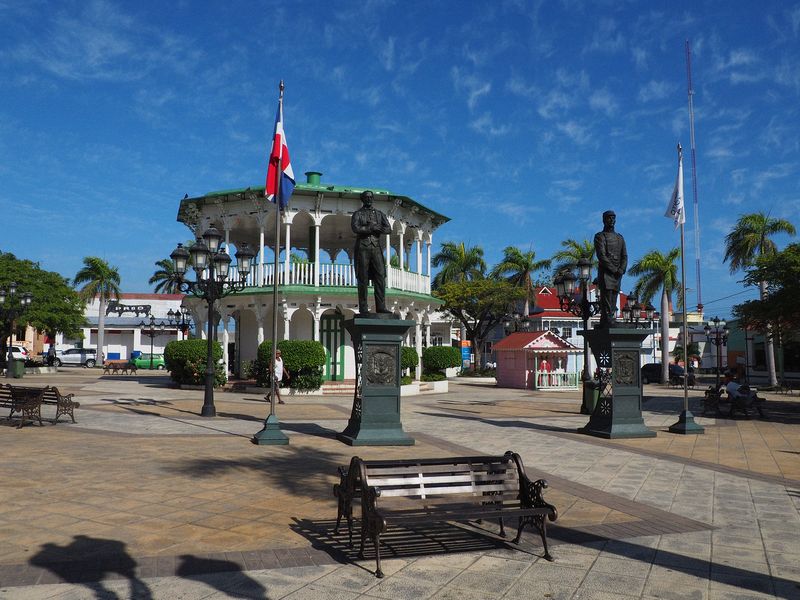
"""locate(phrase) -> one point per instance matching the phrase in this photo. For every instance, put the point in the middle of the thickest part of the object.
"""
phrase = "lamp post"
(151, 330)
(211, 266)
(12, 311)
(717, 332)
(180, 318)
(567, 287)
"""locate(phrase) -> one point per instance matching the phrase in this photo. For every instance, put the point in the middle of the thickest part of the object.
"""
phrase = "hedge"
(186, 362)
(304, 359)
(409, 359)
(435, 359)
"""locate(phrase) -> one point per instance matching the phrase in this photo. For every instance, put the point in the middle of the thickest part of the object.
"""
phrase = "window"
(566, 332)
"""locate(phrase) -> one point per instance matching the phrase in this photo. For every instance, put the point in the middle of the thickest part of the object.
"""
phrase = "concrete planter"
(440, 387)
(411, 389)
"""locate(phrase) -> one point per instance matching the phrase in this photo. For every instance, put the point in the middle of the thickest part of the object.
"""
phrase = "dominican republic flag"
(279, 156)
(675, 208)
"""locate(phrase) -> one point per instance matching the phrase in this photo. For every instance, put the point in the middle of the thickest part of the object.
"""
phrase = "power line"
(726, 297)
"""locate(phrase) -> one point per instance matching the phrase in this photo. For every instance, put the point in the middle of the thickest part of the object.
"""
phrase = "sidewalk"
(143, 498)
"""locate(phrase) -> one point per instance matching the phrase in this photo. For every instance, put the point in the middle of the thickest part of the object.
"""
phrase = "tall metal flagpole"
(694, 179)
(271, 432)
(685, 422)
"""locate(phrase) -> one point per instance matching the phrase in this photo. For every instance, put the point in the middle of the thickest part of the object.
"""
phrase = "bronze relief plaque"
(380, 365)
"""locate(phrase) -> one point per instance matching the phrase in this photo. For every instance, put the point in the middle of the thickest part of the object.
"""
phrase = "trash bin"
(17, 368)
(591, 394)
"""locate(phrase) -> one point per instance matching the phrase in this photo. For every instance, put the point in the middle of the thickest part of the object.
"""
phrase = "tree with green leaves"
(165, 278)
(55, 307)
(777, 311)
(518, 268)
(458, 262)
(572, 251)
(102, 280)
(658, 271)
(750, 239)
(479, 305)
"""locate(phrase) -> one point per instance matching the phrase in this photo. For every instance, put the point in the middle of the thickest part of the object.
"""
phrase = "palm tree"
(658, 271)
(572, 252)
(749, 239)
(101, 280)
(517, 267)
(165, 277)
(458, 263)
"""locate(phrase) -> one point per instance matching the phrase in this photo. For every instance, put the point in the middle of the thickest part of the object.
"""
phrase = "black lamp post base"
(208, 411)
(271, 434)
(686, 424)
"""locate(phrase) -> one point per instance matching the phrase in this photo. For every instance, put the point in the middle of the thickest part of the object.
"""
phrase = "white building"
(122, 332)
(317, 283)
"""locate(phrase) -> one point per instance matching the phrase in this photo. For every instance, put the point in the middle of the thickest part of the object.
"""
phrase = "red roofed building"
(537, 360)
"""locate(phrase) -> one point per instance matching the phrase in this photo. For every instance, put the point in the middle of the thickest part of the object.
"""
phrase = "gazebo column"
(317, 224)
(402, 248)
(225, 320)
(388, 251)
(261, 255)
(418, 345)
(288, 247)
(418, 244)
(428, 244)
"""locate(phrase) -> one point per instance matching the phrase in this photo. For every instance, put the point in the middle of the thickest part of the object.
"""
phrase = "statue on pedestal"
(369, 224)
(612, 258)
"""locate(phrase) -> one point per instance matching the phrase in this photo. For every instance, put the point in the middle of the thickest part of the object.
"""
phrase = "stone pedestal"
(618, 412)
(375, 418)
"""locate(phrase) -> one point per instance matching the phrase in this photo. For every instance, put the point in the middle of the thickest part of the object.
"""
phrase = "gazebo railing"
(549, 380)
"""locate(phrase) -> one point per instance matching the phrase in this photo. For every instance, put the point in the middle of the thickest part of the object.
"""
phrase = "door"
(331, 328)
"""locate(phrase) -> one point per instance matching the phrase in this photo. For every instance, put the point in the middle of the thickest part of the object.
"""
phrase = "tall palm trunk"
(101, 323)
(664, 336)
(768, 345)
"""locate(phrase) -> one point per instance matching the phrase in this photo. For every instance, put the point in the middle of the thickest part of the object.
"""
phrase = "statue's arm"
(358, 225)
(601, 250)
(623, 258)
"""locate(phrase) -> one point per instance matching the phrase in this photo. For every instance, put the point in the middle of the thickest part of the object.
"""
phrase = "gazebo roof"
(545, 341)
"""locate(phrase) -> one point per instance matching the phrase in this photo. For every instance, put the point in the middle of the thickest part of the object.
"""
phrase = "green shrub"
(186, 362)
(409, 359)
(435, 359)
(405, 380)
(433, 376)
(304, 359)
(247, 369)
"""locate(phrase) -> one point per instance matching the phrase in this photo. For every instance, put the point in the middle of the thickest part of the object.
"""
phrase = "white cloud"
(775, 172)
(794, 16)
(387, 54)
(606, 38)
(655, 90)
(519, 87)
(472, 85)
(603, 101)
(485, 125)
(640, 56)
(575, 131)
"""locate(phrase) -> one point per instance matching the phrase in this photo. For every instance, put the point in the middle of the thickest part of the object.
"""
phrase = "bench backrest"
(5, 393)
(465, 479)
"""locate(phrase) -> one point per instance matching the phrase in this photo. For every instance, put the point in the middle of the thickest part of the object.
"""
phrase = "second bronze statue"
(368, 223)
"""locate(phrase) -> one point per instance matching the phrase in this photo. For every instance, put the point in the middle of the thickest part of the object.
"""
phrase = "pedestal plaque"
(618, 412)
(375, 418)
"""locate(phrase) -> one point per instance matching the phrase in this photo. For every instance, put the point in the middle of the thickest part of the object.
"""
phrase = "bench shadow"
(397, 542)
(233, 582)
(88, 561)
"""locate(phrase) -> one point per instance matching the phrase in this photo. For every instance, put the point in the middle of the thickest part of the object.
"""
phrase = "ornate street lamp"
(568, 286)
(180, 318)
(717, 332)
(151, 330)
(516, 322)
(211, 266)
(12, 311)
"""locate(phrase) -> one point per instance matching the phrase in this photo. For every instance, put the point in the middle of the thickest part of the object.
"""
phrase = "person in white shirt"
(741, 393)
(279, 370)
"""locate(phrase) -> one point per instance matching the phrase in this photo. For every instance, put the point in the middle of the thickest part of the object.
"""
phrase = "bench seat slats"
(418, 478)
(445, 490)
(380, 470)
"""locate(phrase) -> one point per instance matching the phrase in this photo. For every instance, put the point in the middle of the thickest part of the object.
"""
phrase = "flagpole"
(271, 432)
(686, 423)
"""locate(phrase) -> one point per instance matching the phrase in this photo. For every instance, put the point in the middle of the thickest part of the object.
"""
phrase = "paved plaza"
(143, 498)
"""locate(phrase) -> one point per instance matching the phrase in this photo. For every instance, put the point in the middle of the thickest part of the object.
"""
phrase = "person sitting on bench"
(741, 395)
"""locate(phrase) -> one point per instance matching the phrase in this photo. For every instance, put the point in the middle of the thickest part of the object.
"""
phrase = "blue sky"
(521, 121)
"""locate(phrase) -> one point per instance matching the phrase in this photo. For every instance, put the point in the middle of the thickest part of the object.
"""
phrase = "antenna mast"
(694, 178)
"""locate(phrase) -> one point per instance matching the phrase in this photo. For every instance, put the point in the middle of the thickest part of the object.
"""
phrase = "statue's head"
(609, 218)
(366, 198)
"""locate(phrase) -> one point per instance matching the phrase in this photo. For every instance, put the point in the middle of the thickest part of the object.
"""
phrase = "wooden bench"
(410, 492)
(115, 367)
(26, 401)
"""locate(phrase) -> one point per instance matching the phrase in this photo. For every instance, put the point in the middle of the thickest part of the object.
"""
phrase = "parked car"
(143, 361)
(18, 353)
(86, 357)
(651, 372)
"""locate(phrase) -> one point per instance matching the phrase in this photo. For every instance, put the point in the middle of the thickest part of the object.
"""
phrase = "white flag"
(675, 208)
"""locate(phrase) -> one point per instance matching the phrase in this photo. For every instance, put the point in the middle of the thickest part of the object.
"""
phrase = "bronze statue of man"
(612, 258)
(368, 223)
